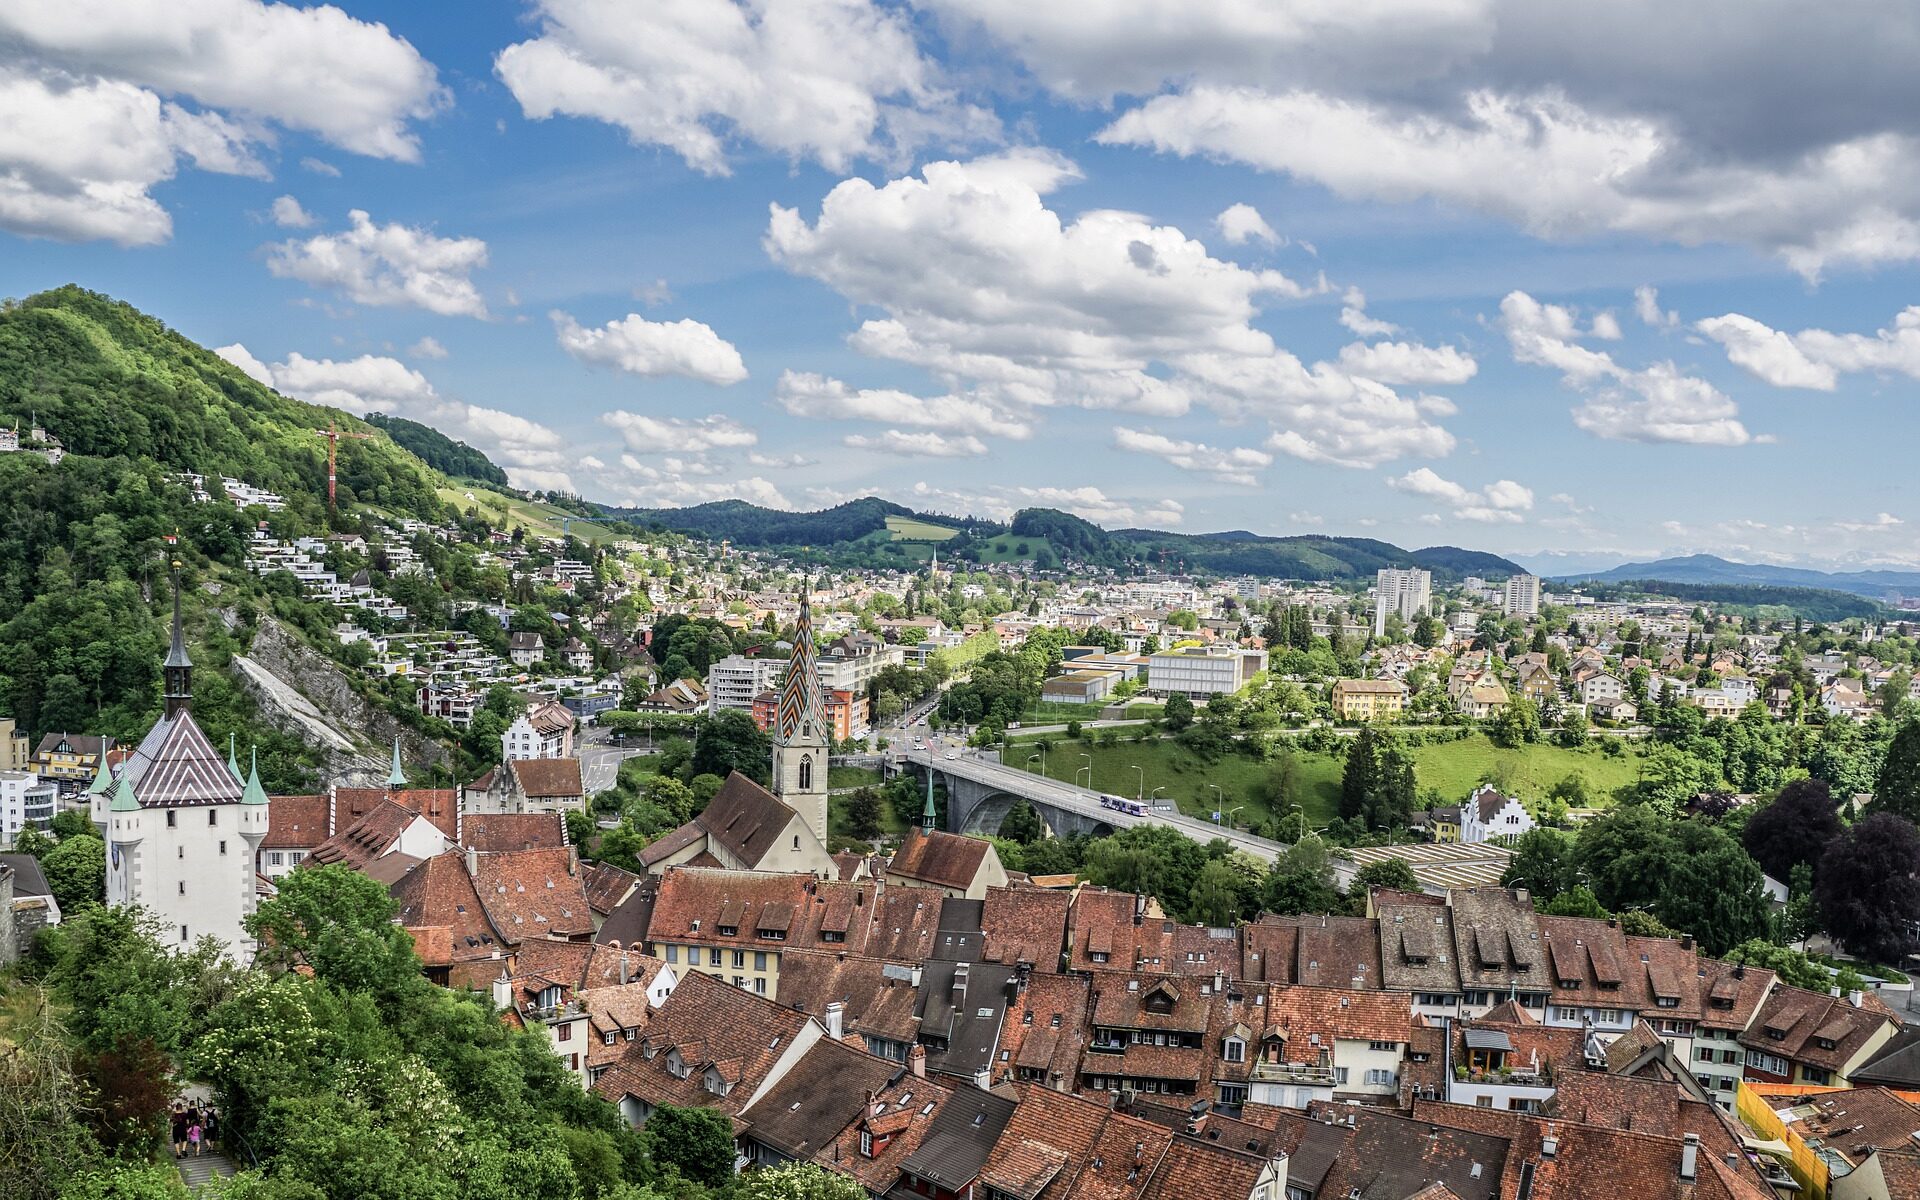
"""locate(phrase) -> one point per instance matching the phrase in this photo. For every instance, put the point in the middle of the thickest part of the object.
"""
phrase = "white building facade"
(1406, 594)
(1522, 596)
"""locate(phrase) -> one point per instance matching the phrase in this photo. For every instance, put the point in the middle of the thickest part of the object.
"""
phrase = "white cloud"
(388, 265)
(1815, 358)
(1353, 315)
(1879, 523)
(1642, 118)
(320, 167)
(1500, 501)
(533, 455)
(1242, 223)
(250, 366)
(641, 347)
(288, 214)
(778, 461)
(427, 347)
(1656, 404)
(826, 80)
(927, 444)
(1767, 353)
(641, 486)
(105, 97)
(1408, 362)
(1646, 305)
(1233, 464)
(1606, 327)
(644, 434)
(1010, 304)
(808, 395)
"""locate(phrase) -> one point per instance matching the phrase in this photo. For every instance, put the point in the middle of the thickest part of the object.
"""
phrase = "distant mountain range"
(875, 531)
(1711, 569)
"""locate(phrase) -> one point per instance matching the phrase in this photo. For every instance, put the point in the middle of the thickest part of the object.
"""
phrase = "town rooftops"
(947, 860)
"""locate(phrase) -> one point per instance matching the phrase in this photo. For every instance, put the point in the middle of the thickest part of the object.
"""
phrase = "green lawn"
(1453, 768)
(847, 777)
(541, 520)
(907, 529)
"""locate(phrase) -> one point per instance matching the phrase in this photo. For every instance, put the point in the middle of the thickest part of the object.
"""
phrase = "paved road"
(1076, 799)
(600, 762)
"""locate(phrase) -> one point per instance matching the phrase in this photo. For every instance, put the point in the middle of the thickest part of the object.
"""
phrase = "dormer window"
(727, 930)
(1234, 1050)
(1667, 1001)
(1825, 1043)
(1569, 984)
(866, 1143)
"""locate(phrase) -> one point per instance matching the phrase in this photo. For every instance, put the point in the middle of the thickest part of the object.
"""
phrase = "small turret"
(123, 800)
(177, 671)
(254, 793)
(233, 759)
(396, 778)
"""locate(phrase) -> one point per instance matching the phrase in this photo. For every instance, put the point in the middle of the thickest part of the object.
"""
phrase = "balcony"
(1320, 1074)
(1506, 1076)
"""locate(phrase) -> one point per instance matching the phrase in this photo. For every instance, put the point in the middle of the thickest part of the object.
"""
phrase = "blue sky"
(1300, 270)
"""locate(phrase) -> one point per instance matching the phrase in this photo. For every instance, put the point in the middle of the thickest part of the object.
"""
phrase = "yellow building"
(1369, 699)
(15, 753)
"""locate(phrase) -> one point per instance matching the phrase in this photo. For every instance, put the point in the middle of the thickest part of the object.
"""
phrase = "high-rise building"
(1407, 593)
(800, 732)
(1522, 596)
(182, 827)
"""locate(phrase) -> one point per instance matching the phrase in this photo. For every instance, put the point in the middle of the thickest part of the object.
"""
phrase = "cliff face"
(306, 694)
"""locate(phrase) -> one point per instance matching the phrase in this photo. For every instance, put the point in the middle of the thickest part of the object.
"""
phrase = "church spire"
(928, 818)
(233, 759)
(800, 715)
(177, 671)
(254, 792)
(396, 779)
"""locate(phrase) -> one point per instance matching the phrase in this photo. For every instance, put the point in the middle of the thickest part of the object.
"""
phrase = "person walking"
(179, 1129)
(211, 1134)
(194, 1134)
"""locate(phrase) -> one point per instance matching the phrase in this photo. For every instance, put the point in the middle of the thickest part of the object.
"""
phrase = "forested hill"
(439, 451)
(873, 530)
(83, 542)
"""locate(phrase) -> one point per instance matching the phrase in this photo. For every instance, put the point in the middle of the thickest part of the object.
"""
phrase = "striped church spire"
(801, 714)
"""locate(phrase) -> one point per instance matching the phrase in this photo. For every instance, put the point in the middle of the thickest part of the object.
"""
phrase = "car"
(1013, 724)
(953, 754)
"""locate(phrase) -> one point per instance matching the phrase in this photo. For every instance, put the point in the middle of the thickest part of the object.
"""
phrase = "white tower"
(801, 736)
(182, 828)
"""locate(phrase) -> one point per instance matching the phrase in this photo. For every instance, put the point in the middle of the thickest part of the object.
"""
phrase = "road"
(1076, 799)
(600, 760)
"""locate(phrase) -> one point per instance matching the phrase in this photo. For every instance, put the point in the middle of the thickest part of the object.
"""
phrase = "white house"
(1600, 689)
(1488, 816)
(545, 730)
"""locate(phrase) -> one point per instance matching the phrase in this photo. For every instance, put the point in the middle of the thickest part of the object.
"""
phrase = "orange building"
(846, 712)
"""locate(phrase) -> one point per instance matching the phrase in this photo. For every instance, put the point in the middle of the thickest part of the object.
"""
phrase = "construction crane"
(333, 436)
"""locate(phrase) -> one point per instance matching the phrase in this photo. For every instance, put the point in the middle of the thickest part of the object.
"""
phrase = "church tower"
(801, 736)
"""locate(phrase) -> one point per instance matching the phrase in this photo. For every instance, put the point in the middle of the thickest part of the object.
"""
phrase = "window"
(1561, 1013)
(1388, 1046)
(277, 859)
(673, 953)
(1815, 1075)
(607, 1038)
(806, 780)
(739, 960)
(713, 956)
(1098, 956)
(1231, 1093)
(866, 1143)
(1234, 1051)
(183, 928)
(170, 816)
(760, 986)
(563, 1032)
(223, 845)
(1378, 1077)
(759, 960)
(213, 817)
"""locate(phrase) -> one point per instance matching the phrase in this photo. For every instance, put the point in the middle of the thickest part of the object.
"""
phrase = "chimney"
(1686, 941)
(917, 1061)
(1139, 909)
(1690, 1156)
(473, 862)
(959, 984)
(573, 859)
(1549, 1146)
(1219, 982)
(916, 975)
(1523, 895)
(503, 991)
(1855, 996)
(836, 1012)
(625, 976)
(1739, 970)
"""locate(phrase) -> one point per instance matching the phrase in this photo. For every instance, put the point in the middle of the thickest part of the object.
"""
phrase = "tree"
(1215, 899)
(341, 924)
(76, 872)
(863, 814)
(1868, 894)
(1794, 829)
(729, 741)
(796, 1181)
(1301, 881)
(1361, 776)
(1022, 824)
(1578, 902)
(1390, 873)
(1543, 863)
(1179, 712)
(1713, 889)
(696, 1142)
(1516, 725)
(1897, 788)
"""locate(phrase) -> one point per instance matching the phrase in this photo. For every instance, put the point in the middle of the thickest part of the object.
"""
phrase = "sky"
(1587, 281)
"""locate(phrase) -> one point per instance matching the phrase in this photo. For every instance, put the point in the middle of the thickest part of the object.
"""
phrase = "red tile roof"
(940, 859)
(295, 822)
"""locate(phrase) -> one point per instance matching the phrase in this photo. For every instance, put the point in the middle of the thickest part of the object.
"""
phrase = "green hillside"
(83, 542)
(439, 451)
(868, 532)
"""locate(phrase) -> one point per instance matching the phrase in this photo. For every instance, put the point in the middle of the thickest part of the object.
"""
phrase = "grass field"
(542, 520)
(907, 529)
(1452, 768)
(1007, 547)
(846, 777)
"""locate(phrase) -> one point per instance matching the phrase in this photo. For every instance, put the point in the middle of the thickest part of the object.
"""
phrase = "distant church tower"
(182, 828)
(801, 740)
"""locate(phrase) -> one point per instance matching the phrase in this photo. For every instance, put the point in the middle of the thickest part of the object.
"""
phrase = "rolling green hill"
(870, 530)
(439, 451)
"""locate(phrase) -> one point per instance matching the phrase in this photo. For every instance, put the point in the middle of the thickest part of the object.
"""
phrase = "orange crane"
(333, 436)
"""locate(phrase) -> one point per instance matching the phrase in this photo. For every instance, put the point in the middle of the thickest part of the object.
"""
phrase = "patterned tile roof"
(175, 766)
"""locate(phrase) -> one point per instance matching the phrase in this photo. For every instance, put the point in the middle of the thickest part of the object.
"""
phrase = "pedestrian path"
(198, 1169)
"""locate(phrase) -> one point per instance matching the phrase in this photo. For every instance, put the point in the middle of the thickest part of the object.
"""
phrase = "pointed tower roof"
(254, 793)
(123, 800)
(396, 779)
(801, 713)
(177, 649)
(102, 777)
(233, 760)
(928, 818)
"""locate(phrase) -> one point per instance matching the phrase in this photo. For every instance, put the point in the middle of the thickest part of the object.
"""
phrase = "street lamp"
(1236, 808)
(1140, 792)
(1088, 769)
(1152, 794)
(1030, 760)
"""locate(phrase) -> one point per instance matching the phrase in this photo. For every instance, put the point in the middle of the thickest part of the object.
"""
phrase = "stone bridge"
(981, 791)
